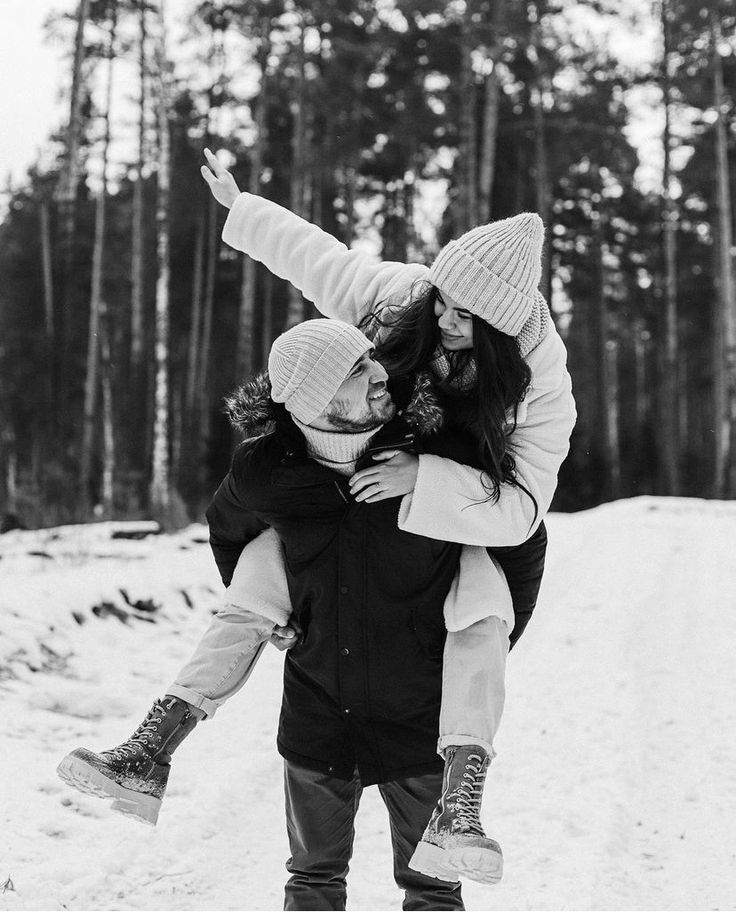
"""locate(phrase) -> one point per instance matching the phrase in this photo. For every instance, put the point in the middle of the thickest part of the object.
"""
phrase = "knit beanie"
(494, 270)
(308, 363)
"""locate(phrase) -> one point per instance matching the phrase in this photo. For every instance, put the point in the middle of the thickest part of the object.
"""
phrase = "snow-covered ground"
(615, 783)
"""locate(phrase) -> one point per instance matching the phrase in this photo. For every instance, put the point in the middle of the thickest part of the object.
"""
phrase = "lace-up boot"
(454, 843)
(134, 774)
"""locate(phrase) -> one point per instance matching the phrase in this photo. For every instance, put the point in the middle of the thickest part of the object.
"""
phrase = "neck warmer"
(335, 450)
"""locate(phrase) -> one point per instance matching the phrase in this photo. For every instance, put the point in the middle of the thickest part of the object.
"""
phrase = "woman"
(477, 325)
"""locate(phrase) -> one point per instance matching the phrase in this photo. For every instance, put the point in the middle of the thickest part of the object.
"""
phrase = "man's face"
(362, 402)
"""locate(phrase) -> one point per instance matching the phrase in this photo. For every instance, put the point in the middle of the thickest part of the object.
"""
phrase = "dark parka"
(363, 686)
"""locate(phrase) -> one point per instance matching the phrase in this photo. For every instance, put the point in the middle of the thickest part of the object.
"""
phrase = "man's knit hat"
(494, 270)
(309, 362)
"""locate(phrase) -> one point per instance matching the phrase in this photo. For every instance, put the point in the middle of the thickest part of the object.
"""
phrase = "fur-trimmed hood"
(252, 411)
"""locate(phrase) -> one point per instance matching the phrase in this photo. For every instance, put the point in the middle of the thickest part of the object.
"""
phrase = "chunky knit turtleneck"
(336, 451)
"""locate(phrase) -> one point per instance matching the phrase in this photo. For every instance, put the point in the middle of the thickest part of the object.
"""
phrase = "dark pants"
(523, 566)
(320, 819)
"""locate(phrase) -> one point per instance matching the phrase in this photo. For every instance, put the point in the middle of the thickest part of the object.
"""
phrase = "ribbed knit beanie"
(308, 363)
(494, 270)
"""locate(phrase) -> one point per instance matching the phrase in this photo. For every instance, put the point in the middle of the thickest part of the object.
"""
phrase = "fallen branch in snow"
(161, 877)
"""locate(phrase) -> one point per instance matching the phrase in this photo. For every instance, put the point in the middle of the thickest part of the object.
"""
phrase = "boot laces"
(468, 796)
(143, 736)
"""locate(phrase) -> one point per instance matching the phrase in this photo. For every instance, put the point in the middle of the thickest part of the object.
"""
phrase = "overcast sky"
(30, 76)
(33, 72)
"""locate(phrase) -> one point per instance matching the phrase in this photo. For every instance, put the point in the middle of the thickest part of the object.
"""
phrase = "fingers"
(286, 633)
(207, 175)
(379, 495)
(214, 163)
(386, 454)
(360, 479)
(220, 171)
(365, 481)
(369, 492)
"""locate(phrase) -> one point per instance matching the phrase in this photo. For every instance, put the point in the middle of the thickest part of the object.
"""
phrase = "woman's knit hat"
(308, 363)
(494, 270)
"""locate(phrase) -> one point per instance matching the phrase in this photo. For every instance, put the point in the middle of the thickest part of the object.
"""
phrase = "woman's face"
(455, 324)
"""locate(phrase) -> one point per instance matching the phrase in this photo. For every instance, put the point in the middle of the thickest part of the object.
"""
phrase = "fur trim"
(250, 407)
(423, 413)
(252, 411)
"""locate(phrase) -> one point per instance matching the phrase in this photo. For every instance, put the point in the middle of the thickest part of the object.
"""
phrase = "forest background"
(395, 126)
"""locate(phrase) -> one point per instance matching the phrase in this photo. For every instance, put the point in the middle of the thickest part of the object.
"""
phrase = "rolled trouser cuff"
(446, 741)
(209, 707)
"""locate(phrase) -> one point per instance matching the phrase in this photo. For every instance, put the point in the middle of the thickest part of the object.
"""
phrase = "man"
(362, 687)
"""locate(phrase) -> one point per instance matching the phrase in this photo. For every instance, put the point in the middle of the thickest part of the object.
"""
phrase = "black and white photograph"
(368, 455)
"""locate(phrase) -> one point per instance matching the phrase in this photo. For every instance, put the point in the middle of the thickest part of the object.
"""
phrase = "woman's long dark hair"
(408, 340)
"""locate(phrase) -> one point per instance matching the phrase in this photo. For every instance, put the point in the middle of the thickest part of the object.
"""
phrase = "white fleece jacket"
(347, 285)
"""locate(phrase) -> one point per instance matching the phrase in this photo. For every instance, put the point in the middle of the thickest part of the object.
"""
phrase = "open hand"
(394, 476)
(219, 180)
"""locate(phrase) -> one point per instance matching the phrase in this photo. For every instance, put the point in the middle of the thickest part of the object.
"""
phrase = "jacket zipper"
(339, 491)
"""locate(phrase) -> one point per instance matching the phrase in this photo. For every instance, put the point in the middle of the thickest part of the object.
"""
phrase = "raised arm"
(449, 501)
(344, 284)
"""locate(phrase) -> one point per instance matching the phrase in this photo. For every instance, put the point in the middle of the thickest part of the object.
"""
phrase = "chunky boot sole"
(90, 781)
(476, 862)
(432, 860)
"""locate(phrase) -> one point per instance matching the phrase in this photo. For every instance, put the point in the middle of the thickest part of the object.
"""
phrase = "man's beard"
(344, 423)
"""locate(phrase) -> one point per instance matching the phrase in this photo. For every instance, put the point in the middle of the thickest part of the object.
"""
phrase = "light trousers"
(473, 674)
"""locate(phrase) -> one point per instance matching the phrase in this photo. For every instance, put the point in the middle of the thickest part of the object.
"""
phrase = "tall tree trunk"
(136, 271)
(108, 424)
(67, 196)
(195, 327)
(409, 198)
(208, 303)
(70, 180)
(669, 437)
(606, 393)
(267, 325)
(350, 181)
(177, 433)
(10, 449)
(51, 389)
(491, 108)
(246, 313)
(612, 415)
(160, 486)
(488, 146)
(725, 367)
(683, 405)
(466, 215)
(542, 193)
(641, 403)
(95, 299)
(48, 282)
(295, 310)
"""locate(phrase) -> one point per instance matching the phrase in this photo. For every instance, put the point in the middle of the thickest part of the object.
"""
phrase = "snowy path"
(614, 787)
